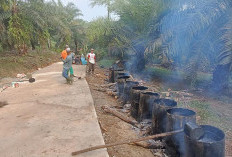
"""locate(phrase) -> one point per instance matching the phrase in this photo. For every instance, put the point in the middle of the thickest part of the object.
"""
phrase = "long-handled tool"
(127, 142)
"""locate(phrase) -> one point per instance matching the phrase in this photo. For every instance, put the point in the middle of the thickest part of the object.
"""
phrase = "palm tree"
(5, 13)
(136, 17)
(194, 33)
(106, 3)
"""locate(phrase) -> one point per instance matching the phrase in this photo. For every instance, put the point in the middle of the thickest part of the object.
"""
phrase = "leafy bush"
(100, 54)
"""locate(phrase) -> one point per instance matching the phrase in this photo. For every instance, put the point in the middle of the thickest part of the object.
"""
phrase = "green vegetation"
(38, 23)
(206, 115)
(11, 64)
(106, 62)
(161, 73)
(178, 35)
(204, 110)
(32, 31)
(192, 40)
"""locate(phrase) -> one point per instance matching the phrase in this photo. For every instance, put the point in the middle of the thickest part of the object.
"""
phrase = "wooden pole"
(121, 116)
(126, 142)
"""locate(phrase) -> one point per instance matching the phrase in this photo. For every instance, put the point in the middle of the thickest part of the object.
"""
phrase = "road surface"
(49, 118)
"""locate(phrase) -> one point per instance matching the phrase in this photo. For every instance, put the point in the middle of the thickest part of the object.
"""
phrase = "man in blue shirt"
(67, 65)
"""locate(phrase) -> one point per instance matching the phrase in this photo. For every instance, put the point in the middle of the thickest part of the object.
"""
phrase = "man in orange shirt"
(64, 56)
(64, 52)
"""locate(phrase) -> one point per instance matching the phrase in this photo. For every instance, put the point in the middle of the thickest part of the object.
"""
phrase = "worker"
(63, 57)
(91, 61)
(67, 65)
(83, 61)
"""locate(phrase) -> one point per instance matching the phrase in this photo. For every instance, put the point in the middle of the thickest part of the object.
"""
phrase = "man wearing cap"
(92, 60)
(67, 65)
(63, 57)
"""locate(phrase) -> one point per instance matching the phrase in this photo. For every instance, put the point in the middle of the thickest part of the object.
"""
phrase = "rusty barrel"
(159, 114)
(127, 88)
(120, 84)
(146, 103)
(135, 96)
(176, 120)
(210, 144)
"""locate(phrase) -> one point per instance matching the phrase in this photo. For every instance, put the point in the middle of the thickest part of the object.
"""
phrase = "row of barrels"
(195, 141)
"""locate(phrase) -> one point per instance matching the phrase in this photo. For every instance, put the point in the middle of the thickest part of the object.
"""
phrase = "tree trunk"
(221, 76)
(76, 48)
(108, 11)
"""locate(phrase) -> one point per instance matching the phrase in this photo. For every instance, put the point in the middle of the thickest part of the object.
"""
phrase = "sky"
(88, 12)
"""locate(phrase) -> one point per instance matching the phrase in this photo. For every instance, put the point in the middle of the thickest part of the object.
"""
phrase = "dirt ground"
(117, 130)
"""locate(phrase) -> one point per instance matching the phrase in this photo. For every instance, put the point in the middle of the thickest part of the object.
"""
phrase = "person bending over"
(67, 65)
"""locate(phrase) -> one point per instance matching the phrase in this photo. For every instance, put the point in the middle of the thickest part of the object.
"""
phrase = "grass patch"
(178, 77)
(12, 64)
(158, 71)
(164, 74)
(106, 62)
(203, 78)
(206, 114)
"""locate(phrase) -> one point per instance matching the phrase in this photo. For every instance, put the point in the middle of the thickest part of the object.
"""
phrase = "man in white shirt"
(92, 60)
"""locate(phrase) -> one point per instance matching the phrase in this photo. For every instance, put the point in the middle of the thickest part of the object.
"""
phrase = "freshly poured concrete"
(49, 118)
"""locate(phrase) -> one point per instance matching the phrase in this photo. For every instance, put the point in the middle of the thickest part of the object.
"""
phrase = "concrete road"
(49, 118)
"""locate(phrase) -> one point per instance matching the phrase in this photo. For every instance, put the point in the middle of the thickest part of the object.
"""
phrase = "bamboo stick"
(126, 142)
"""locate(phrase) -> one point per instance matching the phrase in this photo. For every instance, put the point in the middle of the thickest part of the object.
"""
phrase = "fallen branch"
(126, 142)
(119, 115)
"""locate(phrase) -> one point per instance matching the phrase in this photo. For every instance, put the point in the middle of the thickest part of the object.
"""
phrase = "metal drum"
(116, 71)
(127, 88)
(176, 120)
(146, 104)
(135, 96)
(159, 114)
(120, 85)
(210, 143)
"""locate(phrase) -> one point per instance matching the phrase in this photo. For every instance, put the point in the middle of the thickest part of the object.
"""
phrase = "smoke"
(188, 28)
(191, 34)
